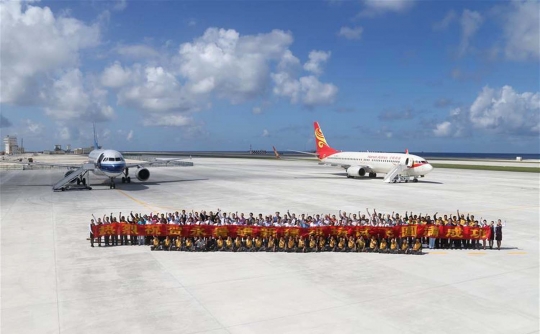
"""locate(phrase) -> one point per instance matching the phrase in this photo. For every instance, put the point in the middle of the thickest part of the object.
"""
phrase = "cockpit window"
(105, 159)
(118, 159)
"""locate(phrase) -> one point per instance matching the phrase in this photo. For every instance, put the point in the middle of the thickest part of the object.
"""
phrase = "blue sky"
(443, 76)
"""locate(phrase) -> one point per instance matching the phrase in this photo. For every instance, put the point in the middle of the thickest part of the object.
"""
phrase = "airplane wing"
(155, 161)
(308, 153)
(71, 166)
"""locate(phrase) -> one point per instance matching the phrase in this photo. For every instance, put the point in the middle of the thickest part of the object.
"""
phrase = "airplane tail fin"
(96, 146)
(276, 153)
(323, 149)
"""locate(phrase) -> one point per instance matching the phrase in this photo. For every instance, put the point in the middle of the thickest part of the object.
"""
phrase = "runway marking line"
(136, 200)
(476, 253)
(438, 253)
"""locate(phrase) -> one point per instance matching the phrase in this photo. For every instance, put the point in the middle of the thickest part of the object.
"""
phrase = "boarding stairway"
(394, 174)
(66, 182)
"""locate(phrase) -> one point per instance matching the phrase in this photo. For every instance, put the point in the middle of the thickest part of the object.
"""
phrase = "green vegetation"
(496, 168)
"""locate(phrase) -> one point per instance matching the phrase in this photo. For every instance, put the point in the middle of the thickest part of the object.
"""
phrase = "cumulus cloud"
(32, 127)
(351, 33)
(470, 22)
(73, 98)
(521, 32)
(377, 7)
(4, 122)
(501, 111)
(307, 90)
(316, 60)
(506, 111)
(34, 44)
(265, 133)
(129, 135)
(232, 66)
(224, 64)
(443, 129)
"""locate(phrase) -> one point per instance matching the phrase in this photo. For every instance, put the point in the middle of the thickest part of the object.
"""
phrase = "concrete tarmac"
(52, 281)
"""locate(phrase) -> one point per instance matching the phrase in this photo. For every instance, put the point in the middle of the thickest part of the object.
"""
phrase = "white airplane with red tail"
(398, 167)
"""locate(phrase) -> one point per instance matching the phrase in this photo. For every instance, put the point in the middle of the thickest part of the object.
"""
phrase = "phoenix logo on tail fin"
(323, 149)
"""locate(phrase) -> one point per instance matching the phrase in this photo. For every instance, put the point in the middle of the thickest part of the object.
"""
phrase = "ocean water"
(426, 155)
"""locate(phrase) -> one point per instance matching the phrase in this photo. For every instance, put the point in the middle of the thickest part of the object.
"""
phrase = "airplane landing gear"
(372, 175)
(126, 178)
(112, 185)
(415, 180)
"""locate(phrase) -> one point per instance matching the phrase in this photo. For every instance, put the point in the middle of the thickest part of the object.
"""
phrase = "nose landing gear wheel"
(128, 179)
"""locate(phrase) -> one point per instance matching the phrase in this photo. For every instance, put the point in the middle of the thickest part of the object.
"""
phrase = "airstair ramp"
(394, 173)
(60, 185)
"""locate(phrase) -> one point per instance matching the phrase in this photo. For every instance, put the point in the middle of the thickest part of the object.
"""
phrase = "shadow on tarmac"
(344, 175)
(138, 186)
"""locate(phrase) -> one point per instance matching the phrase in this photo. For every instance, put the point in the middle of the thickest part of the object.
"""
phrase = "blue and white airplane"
(108, 163)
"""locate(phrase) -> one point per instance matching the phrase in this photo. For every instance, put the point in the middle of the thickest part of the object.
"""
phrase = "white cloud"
(500, 111)
(506, 111)
(256, 110)
(73, 98)
(265, 133)
(115, 76)
(155, 89)
(307, 89)
(232, 66)
(34, 44)
(450, 17)
(470, 22)
(351, 33)
(521, 30)
(129, 135)
(443, 129)
(377, 7)
(316, 59)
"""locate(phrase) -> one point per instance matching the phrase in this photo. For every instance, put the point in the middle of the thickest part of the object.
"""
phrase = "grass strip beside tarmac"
(484, 167)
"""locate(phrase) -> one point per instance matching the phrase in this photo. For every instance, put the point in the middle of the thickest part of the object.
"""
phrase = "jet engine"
(143, 174)
(356, 171)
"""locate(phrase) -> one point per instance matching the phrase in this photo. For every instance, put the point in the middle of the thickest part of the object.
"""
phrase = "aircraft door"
(101, 156)
(409, 162)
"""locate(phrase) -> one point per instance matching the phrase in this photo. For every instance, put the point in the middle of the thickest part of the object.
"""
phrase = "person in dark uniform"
(498, 233)
(90, 227)
(491, 234)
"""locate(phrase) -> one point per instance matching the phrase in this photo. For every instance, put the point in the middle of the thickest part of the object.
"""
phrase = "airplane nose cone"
(429, 168)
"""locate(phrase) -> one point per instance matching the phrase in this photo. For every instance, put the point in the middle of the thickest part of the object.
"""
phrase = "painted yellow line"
(136, 200)
(517, 253)
(438, 253)
(477, 253)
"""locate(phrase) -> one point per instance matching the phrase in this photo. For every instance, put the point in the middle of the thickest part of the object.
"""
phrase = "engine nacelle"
(354, 171)
(143, 174)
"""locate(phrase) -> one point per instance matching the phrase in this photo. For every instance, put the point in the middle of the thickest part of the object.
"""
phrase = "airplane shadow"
(365, 179)
(135, 186)
(138, 186)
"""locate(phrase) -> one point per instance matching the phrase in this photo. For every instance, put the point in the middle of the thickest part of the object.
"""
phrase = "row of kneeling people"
(289, 244)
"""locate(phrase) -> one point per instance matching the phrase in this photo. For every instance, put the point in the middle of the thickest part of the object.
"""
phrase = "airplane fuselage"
(109, 163)
(381, 162)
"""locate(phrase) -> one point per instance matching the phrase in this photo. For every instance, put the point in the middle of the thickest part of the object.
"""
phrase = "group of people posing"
(220, 218)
